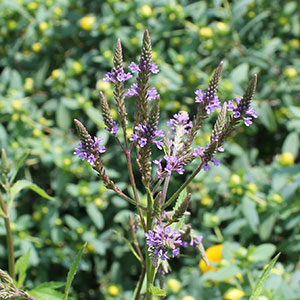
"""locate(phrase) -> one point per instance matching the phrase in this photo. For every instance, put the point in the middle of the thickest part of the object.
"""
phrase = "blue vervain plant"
(164, 230)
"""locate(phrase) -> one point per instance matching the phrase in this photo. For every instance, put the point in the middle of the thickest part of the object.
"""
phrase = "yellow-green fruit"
(188, 298)
(87, 22)
(206, 32)
(113, 290)
(11, 25)
(174, 285)
(36, 47)
(286, 159)
(222, 28)
(290, 72)
(233, 294)
(43, 26)
(77, 67)
(276, 198)
(146, 11)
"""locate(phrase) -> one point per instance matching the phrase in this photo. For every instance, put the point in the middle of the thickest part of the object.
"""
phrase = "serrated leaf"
(23, 184)
(156, 291)
(262, 279)
(179, 200)
(21, 267)
(72, 272)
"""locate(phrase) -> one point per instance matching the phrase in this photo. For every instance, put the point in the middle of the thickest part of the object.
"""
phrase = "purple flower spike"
(199, 98)
(161, 240)
(241, 112)
(91, 150)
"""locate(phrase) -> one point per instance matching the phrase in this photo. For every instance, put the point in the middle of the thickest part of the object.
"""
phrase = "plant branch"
(176, 194)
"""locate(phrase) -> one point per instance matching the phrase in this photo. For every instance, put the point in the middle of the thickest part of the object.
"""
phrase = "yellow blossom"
(146, 11)
(233, 294)
(43, 26)
(36, 47)
(87, 22)
(214, 254)
(206, 32)
(174, 285)
(290, 72)
(188, 298)
(113, 290)
(77, 67)
(28, 84)
(286, 159)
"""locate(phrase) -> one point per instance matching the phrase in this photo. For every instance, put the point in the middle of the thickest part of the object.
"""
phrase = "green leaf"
(23, 184)
(250, 213)
(156, 291)
(18, 166)
(180, 199)
(21, 267)
(263, 252)
(63, 117)
(291, 144)
(46, 294)
(95, 215)
(267, 117)
(222, 274)
(72, 272)
(262, 279)
(265, 229)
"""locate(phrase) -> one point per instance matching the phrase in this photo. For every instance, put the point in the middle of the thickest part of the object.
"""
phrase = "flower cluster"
(161, 240)
(242, 111)
(90, 150)
(142, 134)
(203, 98)
(121, 76)
(134, 91)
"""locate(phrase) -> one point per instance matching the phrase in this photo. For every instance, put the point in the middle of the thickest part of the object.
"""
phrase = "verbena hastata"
(165, 231)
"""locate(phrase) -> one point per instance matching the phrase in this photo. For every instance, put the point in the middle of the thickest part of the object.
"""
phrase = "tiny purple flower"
(161, 240)
(199, 98)
(90, 150)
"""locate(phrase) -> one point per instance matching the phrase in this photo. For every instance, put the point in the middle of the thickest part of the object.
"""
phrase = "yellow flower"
(43, 26)
(77, 67)
(28, 84)
(58, 12)
(286, 159)
(233, 294)
(290, 72)
(87, 22)
(188, 298)
(214, 254)
(16, 104)
(222, 28)
(113, 290)
(206, 32)
(146, 11)
(36, 47)
(11, 24)
(57, 73)
(32, 6)
(174, 285)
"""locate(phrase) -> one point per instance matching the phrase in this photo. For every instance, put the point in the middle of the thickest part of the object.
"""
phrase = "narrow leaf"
(262, 279)
(21, 267)
(23, 184)
(72, 272)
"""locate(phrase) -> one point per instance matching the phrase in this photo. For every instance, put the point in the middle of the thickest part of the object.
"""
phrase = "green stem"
(9, 240)
(149, 266)
(140, 284)
(218, 234)
(134, 189)
(176, 194)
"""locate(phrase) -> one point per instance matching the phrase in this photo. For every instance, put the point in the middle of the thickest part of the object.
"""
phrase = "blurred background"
(53, 57)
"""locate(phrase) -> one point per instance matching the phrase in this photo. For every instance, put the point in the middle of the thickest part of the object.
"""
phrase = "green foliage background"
(54, 55)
